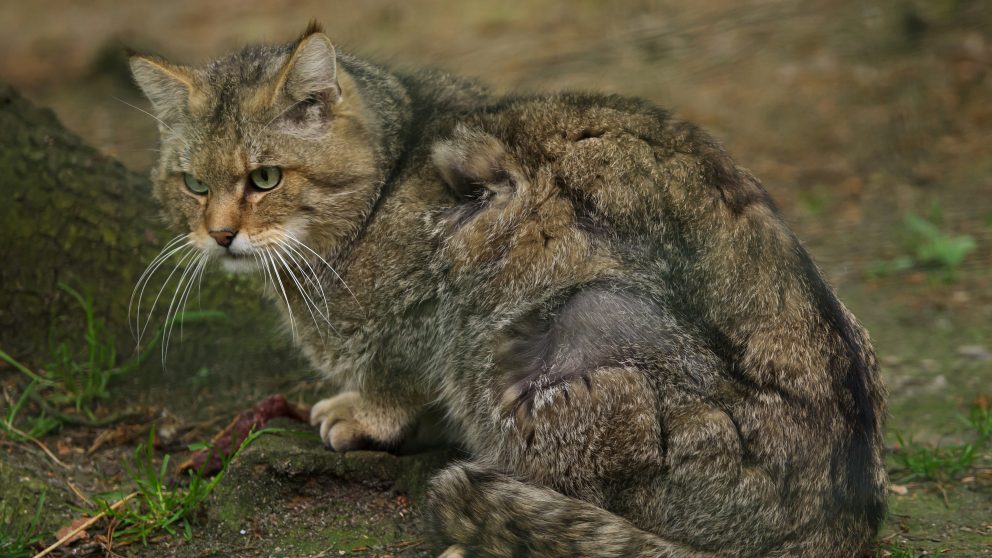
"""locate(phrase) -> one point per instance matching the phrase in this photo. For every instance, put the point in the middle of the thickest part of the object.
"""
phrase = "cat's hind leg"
(484, 513)
(566, 444)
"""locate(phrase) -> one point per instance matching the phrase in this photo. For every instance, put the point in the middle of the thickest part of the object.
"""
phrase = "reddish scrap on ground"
(209, 461)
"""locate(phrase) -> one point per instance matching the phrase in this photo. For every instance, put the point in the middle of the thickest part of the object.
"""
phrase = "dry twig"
(37, 442)
(84, 526)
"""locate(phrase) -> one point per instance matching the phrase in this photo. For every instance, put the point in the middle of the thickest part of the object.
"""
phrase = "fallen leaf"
(983, 401)
(117, 436)
(76, 524)
(63, 448)
(899, 489)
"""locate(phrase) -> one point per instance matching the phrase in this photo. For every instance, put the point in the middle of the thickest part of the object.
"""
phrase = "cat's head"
(262, 149)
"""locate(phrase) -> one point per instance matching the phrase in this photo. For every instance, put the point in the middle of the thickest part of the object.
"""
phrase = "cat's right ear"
(310, 71)
(169, 87)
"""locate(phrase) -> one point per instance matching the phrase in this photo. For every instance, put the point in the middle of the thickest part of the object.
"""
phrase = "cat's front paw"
(350, 422)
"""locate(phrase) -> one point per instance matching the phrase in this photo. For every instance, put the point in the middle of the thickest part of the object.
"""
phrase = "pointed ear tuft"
(167, 86)
(313, 28)
(310, 71)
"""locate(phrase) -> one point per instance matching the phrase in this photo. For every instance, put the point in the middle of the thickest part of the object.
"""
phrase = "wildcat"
(638, 354)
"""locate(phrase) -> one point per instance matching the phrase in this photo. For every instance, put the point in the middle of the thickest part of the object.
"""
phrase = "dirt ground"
(854, 115)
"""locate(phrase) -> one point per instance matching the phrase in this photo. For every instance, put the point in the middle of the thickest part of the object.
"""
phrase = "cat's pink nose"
(223, 237)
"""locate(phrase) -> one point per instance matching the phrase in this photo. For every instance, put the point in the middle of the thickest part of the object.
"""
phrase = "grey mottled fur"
(638, 354)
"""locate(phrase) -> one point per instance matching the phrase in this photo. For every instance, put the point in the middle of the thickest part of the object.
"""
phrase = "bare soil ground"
(853, 114)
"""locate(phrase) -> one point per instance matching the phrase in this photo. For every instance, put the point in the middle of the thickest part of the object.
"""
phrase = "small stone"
(976, 352)
(891, 360)
(899, 489)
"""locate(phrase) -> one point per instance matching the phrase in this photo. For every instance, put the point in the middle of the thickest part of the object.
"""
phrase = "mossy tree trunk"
(69, 214)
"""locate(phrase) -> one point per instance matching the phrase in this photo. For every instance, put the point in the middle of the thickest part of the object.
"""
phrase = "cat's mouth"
(239, 261)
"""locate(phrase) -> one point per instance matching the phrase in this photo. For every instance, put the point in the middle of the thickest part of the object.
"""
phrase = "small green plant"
(934, 248)
(18, 537)
(815, 201)
(77, 376)
(979, 419)
(37, 425)
(928, 248)
(937, 464)
(83, 374)
(161, 508)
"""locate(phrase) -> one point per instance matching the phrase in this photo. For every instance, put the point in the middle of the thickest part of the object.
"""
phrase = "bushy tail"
(490, 514)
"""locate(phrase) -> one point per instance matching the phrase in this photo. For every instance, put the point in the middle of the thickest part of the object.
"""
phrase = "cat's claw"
(349, 422)
(336, 417)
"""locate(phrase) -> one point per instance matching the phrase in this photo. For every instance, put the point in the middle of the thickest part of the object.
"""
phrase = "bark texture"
(69, 214)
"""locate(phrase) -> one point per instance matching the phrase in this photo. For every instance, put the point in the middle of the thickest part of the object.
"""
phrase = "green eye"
(265, 178)
(194, 185)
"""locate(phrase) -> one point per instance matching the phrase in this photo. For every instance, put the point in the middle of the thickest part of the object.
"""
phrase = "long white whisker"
(182, 261)
(345, 193)
(313, 278)
(169, 314)
(260, 269)
(329, 266)
(282, 112)
(278, 281)
(280, 253)
(160, 121)
(163, 255)
(199, 283)
(306, 298)
(197, 273)
(184, 295)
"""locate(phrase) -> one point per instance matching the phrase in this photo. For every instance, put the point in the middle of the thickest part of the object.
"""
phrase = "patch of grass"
(815, 201)
(37, 426)
(979, 419)
(890, 267)
(901, 551)
(77, 377)
(83, 375)
(18, 538)
(158, 507)
(949, 462)
(934, 248)
(928, 248)
(938, 464)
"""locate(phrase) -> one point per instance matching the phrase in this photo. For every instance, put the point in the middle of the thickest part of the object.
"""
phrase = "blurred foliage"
(928, 247)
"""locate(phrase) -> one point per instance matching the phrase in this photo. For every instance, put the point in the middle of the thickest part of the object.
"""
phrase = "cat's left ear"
(169, 87)
(310, 71)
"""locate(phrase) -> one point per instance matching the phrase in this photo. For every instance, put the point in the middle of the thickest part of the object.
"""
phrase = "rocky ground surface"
(854, 116)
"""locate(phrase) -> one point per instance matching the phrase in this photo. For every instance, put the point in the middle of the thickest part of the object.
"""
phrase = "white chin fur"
(238, 265)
